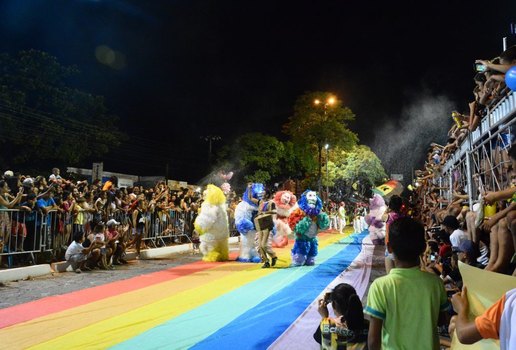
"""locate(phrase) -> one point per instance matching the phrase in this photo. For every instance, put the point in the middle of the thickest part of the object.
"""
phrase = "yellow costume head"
(214, 195)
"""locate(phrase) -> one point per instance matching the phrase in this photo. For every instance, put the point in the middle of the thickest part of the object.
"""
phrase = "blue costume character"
(306, 222)
(245, 212)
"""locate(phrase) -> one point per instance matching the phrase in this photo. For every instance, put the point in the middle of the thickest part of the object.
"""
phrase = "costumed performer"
(212, 225)
(245, 212)
(264, 223)
(376, 218)
(306, 221)
(285, 202)
(359, 223)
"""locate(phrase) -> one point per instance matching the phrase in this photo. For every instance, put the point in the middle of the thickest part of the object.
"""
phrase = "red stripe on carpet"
(42, 307)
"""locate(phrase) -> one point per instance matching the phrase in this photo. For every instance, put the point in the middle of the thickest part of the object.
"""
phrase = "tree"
(257, 157)
(356, 170)
(46, 120)
(319, 119)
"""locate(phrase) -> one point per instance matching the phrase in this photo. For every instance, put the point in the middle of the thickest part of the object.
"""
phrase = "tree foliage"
(259, 158)
(356, 170)
(46, 120)
(315, 125)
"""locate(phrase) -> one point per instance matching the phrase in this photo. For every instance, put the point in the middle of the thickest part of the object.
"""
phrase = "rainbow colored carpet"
(201, 305)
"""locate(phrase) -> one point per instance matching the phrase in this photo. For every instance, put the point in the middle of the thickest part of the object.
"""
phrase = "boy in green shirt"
(404, 305)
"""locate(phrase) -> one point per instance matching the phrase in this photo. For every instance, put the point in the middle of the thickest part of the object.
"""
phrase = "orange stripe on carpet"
(42, 307)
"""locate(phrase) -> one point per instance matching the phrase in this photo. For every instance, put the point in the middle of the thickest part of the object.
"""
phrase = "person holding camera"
(348, 328)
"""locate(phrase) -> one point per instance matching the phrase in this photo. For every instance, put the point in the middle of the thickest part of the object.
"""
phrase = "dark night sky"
(195, 68)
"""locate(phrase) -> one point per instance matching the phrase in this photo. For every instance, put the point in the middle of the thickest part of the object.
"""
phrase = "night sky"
(182, 70)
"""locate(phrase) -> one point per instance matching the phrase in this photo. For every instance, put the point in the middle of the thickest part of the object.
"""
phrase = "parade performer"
(212, 225)
(264, 224)
(359, 223)
(226, 187)
(285, 202)
(342, 217)
(376, 218)
(306, 221)
(245, 212)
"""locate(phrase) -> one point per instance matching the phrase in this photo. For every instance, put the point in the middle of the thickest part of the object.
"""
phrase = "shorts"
(19, 229)
(138, 231)
(76, 259)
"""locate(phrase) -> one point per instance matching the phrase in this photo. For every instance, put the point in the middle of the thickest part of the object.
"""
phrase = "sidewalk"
(29, 272)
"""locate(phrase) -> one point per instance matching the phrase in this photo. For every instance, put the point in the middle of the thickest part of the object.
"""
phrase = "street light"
(327, 177)
(330, 101)
(210, 139)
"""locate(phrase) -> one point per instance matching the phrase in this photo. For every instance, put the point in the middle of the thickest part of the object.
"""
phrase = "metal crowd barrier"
(172, 225)
(28, 232)
(32, 233)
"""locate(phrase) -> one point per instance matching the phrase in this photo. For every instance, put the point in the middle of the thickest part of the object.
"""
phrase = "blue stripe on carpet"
(260, 326)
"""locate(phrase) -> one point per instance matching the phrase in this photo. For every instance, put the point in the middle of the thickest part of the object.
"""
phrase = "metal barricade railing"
(172, 225)
(33, 232)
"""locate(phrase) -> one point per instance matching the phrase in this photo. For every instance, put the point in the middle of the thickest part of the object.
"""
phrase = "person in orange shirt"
(497, 322)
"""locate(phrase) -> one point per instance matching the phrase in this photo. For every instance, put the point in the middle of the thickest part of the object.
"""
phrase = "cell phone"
(432, 257)
(480, 67)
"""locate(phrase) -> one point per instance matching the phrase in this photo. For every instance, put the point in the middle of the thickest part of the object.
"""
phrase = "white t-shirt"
(457, 237)
(74, 248)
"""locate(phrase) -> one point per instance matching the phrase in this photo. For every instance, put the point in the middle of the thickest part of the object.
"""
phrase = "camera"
(327, 298)
(480, 67)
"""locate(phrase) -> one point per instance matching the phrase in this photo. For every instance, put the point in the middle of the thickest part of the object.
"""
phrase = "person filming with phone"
(348, 328)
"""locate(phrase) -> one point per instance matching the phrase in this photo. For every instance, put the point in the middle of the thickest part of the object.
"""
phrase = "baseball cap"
(8, 173)
(467, 247)
(112, 222)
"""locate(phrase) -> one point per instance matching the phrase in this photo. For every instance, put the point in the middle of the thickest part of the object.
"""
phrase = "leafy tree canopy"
(319, 119)
(356, 170)
(46, 120)
(259, 158)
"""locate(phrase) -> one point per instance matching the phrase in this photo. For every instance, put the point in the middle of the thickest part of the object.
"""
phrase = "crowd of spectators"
(482, 235)
(110, 219)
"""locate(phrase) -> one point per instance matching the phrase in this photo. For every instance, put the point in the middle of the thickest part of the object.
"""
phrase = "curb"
(21, 273)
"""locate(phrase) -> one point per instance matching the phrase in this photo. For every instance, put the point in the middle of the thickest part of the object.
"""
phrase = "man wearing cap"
(468, 254)
(116, 247)
(451, 226)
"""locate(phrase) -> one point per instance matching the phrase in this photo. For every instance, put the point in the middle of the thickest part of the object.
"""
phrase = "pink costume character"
(285, 201)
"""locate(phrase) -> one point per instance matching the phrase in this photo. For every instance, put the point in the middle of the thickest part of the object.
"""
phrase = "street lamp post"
(210, 139)
(330, 101)
(327, 176)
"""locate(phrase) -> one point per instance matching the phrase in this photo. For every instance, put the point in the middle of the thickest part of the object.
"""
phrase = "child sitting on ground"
(404, 305)
(78, 255)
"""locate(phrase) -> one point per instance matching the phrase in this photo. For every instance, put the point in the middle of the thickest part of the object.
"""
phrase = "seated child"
(78, 255)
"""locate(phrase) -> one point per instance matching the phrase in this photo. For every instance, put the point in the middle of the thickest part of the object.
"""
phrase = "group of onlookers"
(106, 217)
